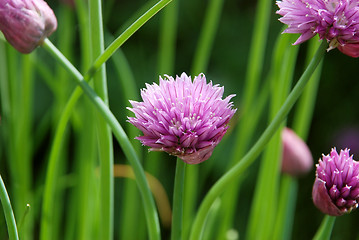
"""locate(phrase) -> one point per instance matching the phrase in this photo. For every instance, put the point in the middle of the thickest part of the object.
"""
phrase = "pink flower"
(337, 21)
(183, 118)
(297, 158)
(26, 23)
(336, 186)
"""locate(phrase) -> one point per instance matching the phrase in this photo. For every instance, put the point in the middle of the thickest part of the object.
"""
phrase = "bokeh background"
(335, 120)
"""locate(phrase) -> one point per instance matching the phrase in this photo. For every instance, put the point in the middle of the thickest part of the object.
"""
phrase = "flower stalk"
(8, 212)
(105, 144)
(149, 205)
(177, 213)
(325, 230)
(249, 158)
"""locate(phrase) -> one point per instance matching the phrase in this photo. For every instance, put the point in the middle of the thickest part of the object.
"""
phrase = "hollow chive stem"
(8, 212)
(253, 153)
(325, 229)
(149, 205)
(177, 213)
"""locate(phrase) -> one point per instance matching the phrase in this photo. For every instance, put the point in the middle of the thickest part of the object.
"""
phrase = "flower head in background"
(26, 23)
(336, 186)
(337, 21)
(183, 118)
(297, 158)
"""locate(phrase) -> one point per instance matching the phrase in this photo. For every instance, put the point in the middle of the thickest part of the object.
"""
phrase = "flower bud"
(26, 23)
(297, 158)
(336, 186)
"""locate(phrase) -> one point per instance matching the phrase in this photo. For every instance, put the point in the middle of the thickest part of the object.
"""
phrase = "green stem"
(243, 132)
(325, 229)
(130, 212)
(262, 214)
(249, 158)
(53, 162)
(52, 169)
(304, 111)
(104, 136)
(149, 205)
(206, 39)
(177, 217)
(286, 208)
(167, 42)
(200, 64)
(255, 66)
(301, 125)
(127, 34)
(9, 214)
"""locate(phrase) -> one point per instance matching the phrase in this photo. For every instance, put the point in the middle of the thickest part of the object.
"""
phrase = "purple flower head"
(336, 187)
(297, 158)
(183, 118)
(26, 23)
(337, 21)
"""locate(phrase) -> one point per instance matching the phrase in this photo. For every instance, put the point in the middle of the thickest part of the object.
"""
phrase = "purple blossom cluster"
(183, 118)
(337, 21)
(336, 187)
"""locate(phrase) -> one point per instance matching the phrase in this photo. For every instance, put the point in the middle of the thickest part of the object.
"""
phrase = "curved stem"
(126, 35)
(177, 216)
(249, 158)
(8, 212)
(149, 205)
(51, 174)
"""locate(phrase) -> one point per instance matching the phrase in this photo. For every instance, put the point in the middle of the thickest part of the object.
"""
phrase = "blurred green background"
(336, 114)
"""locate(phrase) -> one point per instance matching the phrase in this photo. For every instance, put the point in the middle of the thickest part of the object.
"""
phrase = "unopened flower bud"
(297, 158)
(26, 23)
(336, 186)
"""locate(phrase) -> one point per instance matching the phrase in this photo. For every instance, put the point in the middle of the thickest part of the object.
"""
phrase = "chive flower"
(26, 23)
(336, 21)
(336, 186)
(296, 157)
(183, 118)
